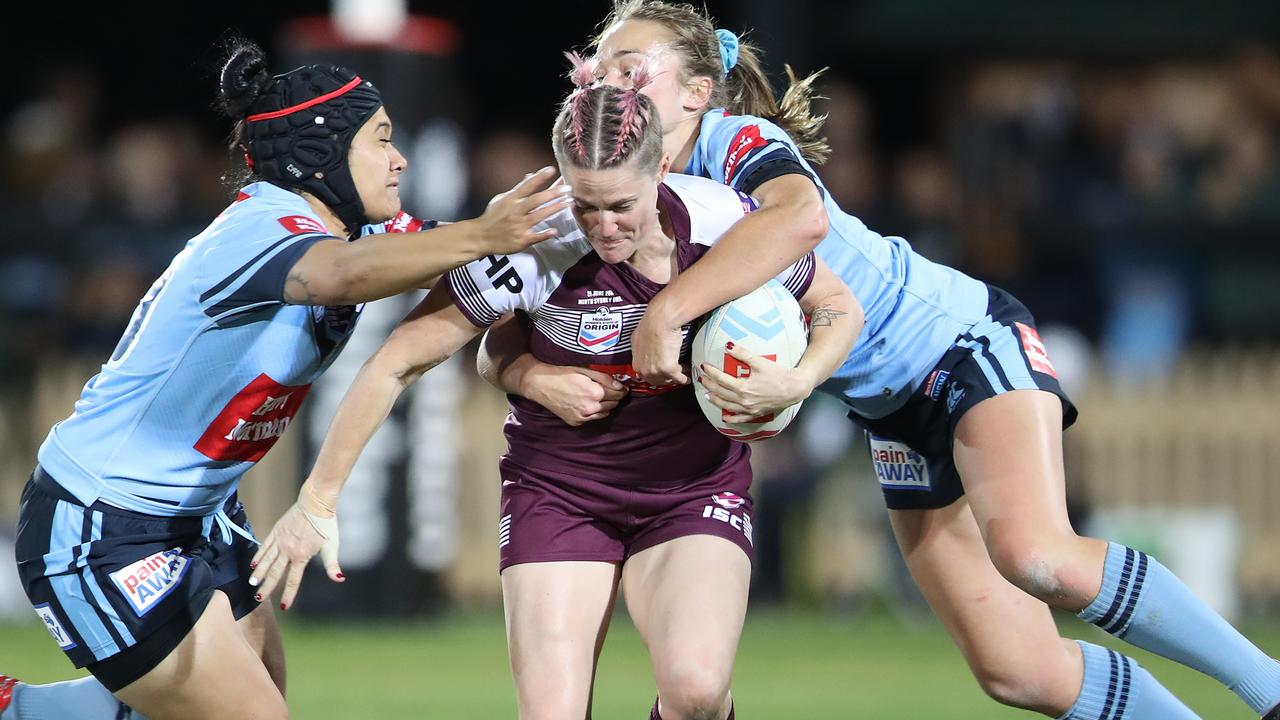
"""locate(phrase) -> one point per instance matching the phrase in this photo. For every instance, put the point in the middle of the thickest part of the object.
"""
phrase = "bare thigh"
(557, 615)
(213, 674)
(1008, 637)
(1008, 450)
(263, 635)
(688, 599)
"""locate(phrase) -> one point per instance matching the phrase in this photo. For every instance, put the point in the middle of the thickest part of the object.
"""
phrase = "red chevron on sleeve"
(747, 139)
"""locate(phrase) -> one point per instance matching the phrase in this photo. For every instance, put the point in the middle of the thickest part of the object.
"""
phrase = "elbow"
(333, 284)
(850, 304)
(349, 285)
(816, 224)
(856, 316)
(812, 223)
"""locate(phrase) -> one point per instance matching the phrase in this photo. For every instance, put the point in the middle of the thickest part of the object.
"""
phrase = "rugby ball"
(767, 321)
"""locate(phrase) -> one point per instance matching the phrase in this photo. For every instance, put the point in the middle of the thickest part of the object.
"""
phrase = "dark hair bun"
(244, 76)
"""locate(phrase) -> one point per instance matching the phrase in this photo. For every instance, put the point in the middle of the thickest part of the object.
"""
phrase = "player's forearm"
(386, 264)
(834, 325)
(362, 411)
(503, 359)
(757, 248)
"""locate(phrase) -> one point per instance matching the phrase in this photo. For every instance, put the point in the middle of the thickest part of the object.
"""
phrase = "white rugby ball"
(767, 321)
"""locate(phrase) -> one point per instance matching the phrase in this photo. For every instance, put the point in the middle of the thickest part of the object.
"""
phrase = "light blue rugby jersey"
(211, 369)
(914, 308)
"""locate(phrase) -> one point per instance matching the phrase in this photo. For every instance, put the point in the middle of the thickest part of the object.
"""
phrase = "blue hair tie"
(728, 49)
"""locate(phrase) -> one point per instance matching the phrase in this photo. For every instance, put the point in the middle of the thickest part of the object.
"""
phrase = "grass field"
(792, 666)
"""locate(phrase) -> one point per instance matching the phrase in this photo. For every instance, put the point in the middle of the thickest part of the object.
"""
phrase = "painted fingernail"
(253, 565)
(257, 597)
(728, 346)
(283, 606)
(566, 189)
(254, 582)
(340, 576)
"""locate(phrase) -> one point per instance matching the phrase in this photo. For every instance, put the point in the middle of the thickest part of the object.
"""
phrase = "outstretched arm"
(835, 319)
(427, 337)
(790, 222)
(336, 272)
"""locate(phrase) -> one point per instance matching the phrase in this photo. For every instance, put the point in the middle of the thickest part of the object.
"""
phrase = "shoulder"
(728, 142)
(530, 272)
(566, 248)
(712, 207)
(723, 129)
(705, 193)
(264, 212)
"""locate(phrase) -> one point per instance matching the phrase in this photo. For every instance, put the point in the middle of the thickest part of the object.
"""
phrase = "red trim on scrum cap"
(302, 106)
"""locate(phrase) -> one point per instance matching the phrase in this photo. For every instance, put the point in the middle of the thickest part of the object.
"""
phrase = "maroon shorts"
(548, 516)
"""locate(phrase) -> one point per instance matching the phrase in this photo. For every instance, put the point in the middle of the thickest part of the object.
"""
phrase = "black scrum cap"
(299, 132)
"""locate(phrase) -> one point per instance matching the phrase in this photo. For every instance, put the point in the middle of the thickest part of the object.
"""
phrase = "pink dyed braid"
(583, 76)
(633, 118)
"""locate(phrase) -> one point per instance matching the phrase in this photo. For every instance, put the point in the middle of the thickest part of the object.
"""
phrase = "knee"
(1044, 680)
(1036, 685)
(694, 694)
(1036, 562)
(1006, 684)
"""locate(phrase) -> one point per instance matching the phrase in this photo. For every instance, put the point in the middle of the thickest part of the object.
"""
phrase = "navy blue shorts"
(911, 448)
(119, 590)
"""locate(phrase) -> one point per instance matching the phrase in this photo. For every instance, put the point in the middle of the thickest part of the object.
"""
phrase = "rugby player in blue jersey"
(132, 546)
(961, 403)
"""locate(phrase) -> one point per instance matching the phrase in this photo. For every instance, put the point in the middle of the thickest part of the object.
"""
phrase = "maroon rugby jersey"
(579, 310)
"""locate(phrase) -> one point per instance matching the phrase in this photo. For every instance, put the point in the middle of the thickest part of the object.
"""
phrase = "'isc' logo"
(722, 510)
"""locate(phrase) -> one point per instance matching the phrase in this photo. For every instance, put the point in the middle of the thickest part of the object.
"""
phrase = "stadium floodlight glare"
(369, 21)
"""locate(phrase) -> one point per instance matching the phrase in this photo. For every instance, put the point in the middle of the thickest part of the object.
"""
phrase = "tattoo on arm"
(297, 290)
(823, 316)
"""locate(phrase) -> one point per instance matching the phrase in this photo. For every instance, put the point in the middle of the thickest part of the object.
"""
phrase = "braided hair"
(602, 126)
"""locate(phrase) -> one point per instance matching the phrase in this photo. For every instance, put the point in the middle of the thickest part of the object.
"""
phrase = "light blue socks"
(1118, 688)
(1143, 603)
(83, 699)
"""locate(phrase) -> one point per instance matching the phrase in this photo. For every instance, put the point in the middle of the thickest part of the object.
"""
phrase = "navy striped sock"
(1145, 604)
(1123, 577)
(1118, 688)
